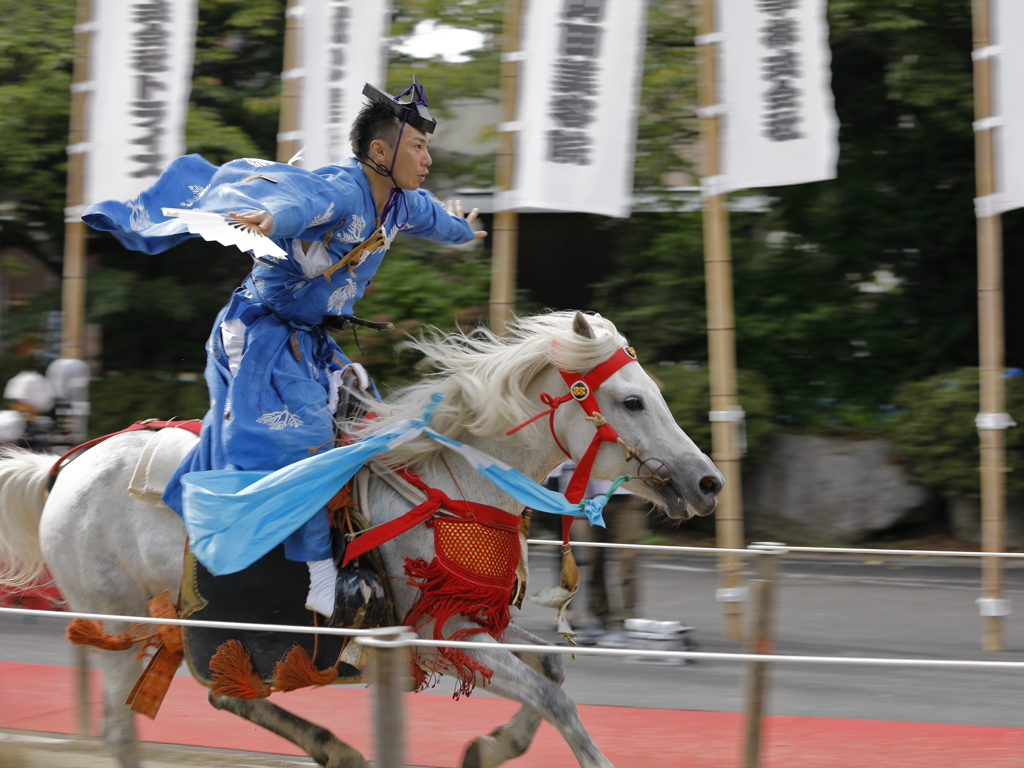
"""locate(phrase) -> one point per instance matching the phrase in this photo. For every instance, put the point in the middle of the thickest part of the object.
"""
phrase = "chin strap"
(396, 200)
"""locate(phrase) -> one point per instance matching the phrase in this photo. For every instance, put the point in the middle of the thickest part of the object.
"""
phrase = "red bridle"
(583, 389)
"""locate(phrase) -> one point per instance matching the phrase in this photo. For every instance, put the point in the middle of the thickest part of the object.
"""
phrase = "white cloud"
(430, 39)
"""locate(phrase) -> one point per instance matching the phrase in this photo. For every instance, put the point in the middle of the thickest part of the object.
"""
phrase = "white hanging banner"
(579, 89)
(779, 119)
(140, 77)
(344, 45)
(1007, 54)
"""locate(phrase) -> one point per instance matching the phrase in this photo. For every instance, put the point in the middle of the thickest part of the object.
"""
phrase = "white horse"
(110, 553)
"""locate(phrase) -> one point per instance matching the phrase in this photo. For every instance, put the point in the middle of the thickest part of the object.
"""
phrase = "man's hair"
(374, 121)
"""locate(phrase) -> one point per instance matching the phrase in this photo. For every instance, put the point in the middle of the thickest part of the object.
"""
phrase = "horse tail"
(24, 477)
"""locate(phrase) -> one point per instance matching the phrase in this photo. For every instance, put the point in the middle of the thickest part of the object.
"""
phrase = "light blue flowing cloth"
(235, 517)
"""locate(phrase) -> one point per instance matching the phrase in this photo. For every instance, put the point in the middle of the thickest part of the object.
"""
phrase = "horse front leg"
(319, 743)
(516, 679)
(512, 739)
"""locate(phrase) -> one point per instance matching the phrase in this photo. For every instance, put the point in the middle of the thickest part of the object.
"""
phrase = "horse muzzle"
(691, 492)
(698, 497)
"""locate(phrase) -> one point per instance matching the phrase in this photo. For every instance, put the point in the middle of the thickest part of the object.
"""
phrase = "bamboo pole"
(73, 283)
(390, 678)
(73, 280)
(761, 640)
(721, 344)
(288, 121)
(990, 339)
(505, 228)
(82, 680)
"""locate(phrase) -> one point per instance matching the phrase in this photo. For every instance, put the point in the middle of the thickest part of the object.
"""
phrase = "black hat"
(414, 111)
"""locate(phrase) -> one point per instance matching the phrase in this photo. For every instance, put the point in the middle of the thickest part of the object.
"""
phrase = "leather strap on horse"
(192, 425)
(148, 693)
(476, 556)
(435, 501)
(582, 389)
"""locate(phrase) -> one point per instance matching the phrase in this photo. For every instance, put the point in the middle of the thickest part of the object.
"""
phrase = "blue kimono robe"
(269, 362)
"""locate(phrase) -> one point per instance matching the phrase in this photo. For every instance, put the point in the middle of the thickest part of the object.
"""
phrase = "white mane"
(484, 377)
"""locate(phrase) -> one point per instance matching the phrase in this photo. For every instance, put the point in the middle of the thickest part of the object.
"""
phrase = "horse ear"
(581, 327)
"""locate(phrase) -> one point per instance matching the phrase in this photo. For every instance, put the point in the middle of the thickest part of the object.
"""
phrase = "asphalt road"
(894, 607)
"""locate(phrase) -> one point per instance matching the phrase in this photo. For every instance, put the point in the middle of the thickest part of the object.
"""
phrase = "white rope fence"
(715, 551)
(642, 547)
(391, 643)
(403, 637)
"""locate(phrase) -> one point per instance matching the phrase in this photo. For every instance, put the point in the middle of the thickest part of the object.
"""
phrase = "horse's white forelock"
(484, 377)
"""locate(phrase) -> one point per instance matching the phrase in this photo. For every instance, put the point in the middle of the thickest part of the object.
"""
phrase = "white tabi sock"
(322, 577)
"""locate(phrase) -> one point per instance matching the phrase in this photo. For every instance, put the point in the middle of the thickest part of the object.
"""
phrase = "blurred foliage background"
(936, 435)
(855, 298)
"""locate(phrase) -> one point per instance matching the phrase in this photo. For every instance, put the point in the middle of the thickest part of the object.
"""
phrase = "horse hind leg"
(319, 743)
(120, 671)
(512, 739)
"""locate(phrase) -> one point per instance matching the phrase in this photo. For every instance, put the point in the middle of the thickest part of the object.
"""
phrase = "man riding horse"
(272, 369)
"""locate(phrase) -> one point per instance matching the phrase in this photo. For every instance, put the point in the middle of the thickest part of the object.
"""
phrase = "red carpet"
(42, 698)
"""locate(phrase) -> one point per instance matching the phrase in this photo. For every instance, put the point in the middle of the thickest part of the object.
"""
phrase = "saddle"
(270, 591)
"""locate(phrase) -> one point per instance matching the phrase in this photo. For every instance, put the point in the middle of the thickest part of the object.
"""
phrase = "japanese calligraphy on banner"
(578, 96)
(1007, 54)
(343, 46)
(779, 123)
(140, 69)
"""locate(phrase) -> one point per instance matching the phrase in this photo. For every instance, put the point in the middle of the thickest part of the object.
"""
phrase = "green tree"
(847, 287)
(686, 389)
(236, 79)
(901, 205)
(418, 284)
(667, 120)
(36, 58)
(137, 299)
(937, 437)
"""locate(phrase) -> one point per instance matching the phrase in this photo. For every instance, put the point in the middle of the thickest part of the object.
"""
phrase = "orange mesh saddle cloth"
(486, 553)
(473, 574)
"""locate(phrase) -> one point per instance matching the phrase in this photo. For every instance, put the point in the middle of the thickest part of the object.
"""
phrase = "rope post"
(291, 85)
(82, 675)
(505, 228)
(991, 427)
(73, 278)
(725, 441)
(390, 678)
(762, 589)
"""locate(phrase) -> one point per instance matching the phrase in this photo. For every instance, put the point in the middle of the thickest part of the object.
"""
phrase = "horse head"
(667, 467)
(496, 388)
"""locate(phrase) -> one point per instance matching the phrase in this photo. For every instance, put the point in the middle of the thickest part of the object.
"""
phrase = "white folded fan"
(226, 230)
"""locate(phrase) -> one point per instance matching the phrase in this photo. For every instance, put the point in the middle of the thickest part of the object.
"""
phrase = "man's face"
(412, 159)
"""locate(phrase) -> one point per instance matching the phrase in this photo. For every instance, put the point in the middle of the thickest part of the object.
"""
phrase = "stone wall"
(829, 490)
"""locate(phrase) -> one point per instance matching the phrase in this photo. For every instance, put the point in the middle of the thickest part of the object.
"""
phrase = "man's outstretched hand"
(262, 219)
(455, 209)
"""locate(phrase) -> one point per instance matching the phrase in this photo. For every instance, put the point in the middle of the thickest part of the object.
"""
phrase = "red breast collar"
(435, 501)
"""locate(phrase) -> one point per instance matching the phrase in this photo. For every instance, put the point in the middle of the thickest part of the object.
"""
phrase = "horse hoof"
(482, 752)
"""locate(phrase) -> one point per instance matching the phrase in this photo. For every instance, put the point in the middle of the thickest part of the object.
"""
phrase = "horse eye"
(634, 403)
